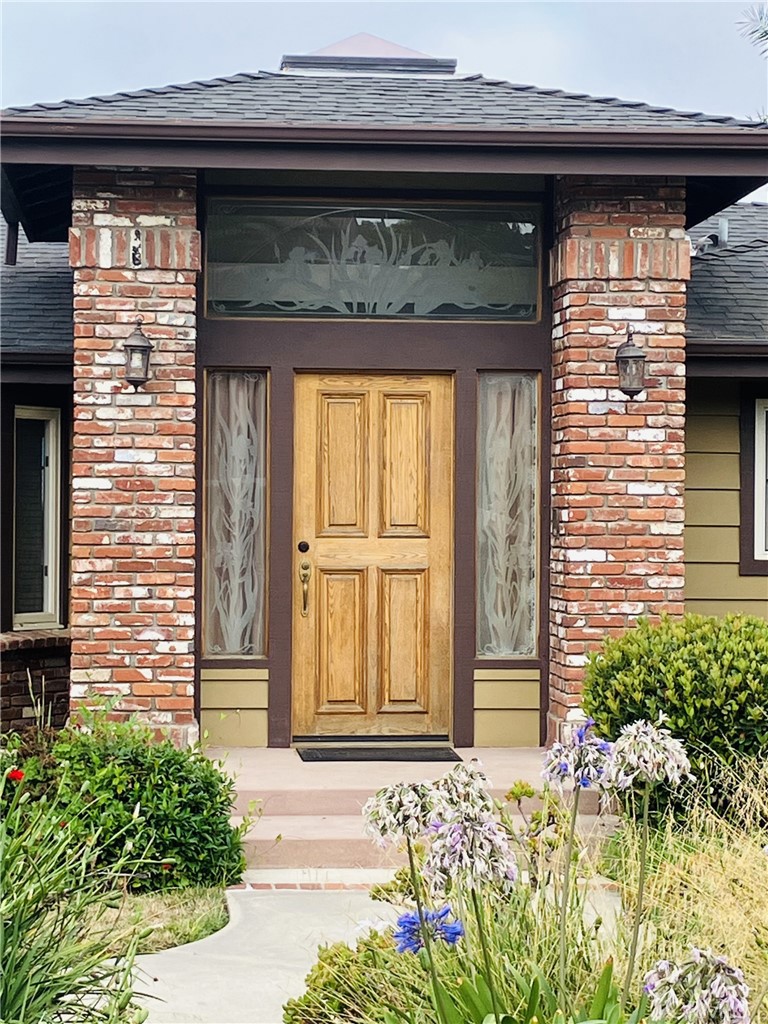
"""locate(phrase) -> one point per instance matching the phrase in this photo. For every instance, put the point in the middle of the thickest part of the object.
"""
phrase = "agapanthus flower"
(648, 753)
(399, 812)
(472, 852)
(408, 934)
(704, 989)
(582, 759)
(464, 792)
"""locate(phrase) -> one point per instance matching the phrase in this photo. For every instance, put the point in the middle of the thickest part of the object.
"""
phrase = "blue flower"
(408, 935)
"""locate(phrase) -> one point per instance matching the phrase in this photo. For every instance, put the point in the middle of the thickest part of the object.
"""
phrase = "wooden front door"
(373, 555)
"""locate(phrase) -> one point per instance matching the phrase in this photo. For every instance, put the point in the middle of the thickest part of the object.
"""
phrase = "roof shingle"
(36, 306)
(728, 292)
(265, 97)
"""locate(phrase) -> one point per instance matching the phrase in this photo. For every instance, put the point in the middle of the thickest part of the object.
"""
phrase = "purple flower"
(583, 758)
(408, 934)
(704, 989)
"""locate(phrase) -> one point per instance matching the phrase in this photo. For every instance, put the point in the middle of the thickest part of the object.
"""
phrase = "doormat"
(377, 754)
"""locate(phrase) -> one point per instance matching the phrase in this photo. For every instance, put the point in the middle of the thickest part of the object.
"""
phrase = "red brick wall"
(135, 250)
(620, 256)
(34, 678)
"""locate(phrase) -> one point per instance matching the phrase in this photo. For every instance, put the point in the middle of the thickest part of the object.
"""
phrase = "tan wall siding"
(713, 584)
(507, 707)
(233, 706)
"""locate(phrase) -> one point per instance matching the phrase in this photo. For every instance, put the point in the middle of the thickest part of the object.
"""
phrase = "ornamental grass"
(707, 878)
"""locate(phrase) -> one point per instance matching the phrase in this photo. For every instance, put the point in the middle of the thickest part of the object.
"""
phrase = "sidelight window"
(507, 519)
(37, 518)
(235, 564)
(376, 262)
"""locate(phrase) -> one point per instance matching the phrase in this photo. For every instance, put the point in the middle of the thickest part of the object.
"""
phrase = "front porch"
(315, 809)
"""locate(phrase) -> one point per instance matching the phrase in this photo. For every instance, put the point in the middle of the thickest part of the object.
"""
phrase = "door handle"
(305, 571)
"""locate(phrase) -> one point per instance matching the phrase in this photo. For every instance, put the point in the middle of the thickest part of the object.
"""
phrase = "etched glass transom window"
(358, 261)
(235, 515)
(507, 520)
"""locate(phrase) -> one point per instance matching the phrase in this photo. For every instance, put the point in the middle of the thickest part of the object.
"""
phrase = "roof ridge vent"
(339, 64)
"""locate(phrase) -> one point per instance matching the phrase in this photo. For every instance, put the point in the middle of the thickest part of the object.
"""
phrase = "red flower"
(63, 824)
(15, 775)
(166, 867)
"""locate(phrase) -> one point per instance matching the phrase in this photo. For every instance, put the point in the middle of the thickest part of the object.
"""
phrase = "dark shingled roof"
(728, 293)
(279, 98)
(36, 299)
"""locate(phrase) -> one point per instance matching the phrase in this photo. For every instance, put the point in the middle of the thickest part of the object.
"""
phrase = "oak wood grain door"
(372, 607)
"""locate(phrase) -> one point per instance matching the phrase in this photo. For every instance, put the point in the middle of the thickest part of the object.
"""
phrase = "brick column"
(620, 257)
(135, 252)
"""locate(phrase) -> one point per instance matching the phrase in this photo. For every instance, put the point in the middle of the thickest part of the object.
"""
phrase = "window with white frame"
(37, 517)
(761, 479)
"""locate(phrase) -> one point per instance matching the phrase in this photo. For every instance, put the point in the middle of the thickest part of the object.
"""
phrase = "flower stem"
(566, 894)
(640, 891)
(425, 934)
(486, 955)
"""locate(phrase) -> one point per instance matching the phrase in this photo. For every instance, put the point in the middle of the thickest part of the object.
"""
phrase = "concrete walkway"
(247, 971)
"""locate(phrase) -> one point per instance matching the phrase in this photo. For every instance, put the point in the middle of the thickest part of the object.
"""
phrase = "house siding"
(713, 584)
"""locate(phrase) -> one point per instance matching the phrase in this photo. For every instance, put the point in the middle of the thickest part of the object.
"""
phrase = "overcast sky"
(688, 55)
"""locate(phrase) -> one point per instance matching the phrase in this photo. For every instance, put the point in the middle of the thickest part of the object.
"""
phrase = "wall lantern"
(137, 349)
(630, 361)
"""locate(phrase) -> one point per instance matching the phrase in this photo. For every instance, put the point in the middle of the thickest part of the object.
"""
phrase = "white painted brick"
(667, 529)
(586, 395)
(586, 555)
(626, 313)
(139, 455)
(666, 582)
(645, 434)
(111, 220)
(89, 483)
(644, 488)
(149, 220)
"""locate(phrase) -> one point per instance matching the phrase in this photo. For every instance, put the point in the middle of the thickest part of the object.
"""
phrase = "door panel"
(373, 498)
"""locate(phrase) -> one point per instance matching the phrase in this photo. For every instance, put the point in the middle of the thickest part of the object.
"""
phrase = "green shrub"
(709, 677)
(107, 768)
(185, 801)
(56, 963)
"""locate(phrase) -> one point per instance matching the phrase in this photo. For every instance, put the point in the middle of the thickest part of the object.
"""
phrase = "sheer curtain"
(235, 512)
(506, 514)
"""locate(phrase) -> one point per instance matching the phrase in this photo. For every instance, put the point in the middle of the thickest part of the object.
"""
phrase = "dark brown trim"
(727, 358)
(12, 243)
(720, 137)
(462, 349)
(28, 374)
(748, 564)
(743, 156)
(728, 349)
(465, 486)
(723, 367)
(46, 356)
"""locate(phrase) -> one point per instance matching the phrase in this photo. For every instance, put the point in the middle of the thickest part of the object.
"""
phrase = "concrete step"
(328, 801)
(339, 841)
(314, 841)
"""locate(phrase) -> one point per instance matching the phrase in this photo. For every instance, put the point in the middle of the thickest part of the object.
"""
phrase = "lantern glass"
(137, 352)
(630, 362)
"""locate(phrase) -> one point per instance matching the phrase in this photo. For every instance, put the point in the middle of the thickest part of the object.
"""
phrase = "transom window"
(319, 261)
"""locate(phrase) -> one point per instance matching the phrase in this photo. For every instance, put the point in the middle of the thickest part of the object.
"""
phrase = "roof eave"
(721, 137)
